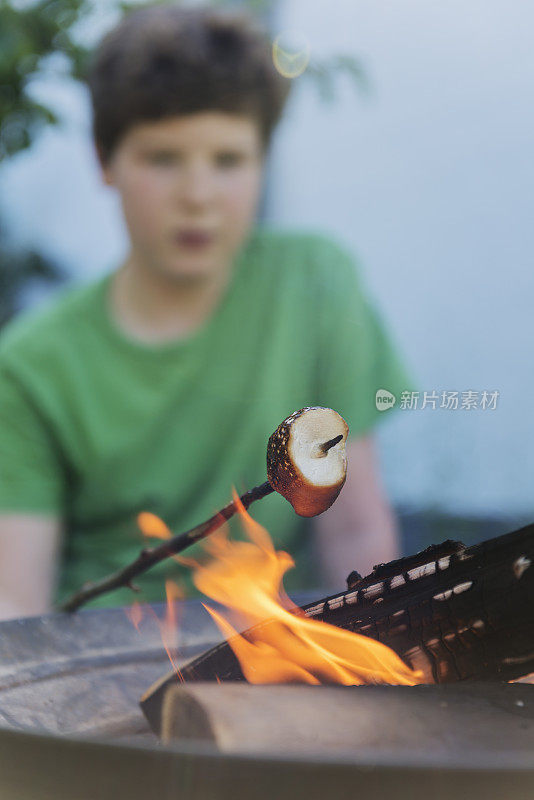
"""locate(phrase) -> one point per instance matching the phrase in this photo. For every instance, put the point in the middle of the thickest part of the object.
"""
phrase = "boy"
(157, 387)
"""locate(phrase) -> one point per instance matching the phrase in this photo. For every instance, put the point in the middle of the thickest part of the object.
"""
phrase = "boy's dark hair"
(165, 60)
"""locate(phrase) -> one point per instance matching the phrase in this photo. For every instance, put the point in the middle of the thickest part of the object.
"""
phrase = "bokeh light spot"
(291, 53)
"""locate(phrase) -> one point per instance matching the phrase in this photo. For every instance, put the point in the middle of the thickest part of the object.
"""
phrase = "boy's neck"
(154, 308)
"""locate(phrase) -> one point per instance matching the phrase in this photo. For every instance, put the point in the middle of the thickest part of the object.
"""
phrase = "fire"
(168, 626)
(285, 646)
(135, 614)
(281, 644)
(151, 525)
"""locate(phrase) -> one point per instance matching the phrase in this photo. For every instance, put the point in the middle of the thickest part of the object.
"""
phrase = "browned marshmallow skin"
(298, 469)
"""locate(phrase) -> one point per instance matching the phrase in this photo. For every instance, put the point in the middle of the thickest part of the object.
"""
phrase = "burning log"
(237, 717)
(455, 613)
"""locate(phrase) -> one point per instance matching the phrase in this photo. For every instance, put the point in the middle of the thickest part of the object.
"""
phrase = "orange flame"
(168, 627)
(151, 525)
(135, 614)
(283, 645)
(288, 647)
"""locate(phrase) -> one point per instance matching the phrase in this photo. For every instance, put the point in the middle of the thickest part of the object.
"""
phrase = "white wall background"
(429, 181)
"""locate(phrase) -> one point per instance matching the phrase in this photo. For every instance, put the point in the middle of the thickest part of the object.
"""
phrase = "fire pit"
(72, 727)
(457, 621)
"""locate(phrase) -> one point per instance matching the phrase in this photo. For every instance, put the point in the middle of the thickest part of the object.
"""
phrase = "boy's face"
(189, 187)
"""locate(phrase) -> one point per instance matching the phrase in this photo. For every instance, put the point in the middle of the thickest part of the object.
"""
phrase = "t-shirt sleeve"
(357, 355)
(30, 469)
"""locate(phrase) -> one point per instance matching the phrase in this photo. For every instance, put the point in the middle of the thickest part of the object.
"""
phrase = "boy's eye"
(169, 158)
(162, 158)
(228, 159)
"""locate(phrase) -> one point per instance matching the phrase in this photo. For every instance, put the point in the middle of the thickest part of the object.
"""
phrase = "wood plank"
(389, 720)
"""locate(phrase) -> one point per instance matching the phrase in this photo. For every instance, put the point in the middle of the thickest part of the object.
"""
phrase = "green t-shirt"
(98, 427)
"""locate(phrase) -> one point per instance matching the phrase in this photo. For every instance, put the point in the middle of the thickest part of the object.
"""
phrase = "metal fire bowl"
(71, 727)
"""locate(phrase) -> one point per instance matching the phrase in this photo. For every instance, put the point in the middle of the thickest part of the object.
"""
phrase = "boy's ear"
(107, 176)
(105, 166)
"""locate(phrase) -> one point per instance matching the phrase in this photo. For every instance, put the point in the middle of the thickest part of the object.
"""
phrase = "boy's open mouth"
(194, 238)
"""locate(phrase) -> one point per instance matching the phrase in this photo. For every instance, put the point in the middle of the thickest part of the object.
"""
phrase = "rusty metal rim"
(36, 766)
(42, 765)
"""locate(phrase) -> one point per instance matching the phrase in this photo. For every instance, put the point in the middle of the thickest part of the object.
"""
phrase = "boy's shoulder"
(35, 330)
(299, 241)
(311, 256)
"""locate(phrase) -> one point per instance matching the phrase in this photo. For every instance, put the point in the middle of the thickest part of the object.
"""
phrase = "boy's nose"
(197, 187)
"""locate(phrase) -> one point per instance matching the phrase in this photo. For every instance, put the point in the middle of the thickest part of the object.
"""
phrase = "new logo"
(384, 400)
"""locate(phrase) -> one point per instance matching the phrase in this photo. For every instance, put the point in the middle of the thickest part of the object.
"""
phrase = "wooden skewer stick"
(322, 449)
(150, 556)
(331, 442)
(153, 555)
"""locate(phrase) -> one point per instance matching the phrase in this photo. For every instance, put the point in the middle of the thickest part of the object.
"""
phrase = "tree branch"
(148, 557)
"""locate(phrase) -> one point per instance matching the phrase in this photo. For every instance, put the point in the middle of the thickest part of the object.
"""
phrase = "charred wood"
(457, 613)
(402, 720)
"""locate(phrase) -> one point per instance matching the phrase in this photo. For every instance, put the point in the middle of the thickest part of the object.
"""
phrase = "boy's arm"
(29, 545)
(31, 492)
(359, 530)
